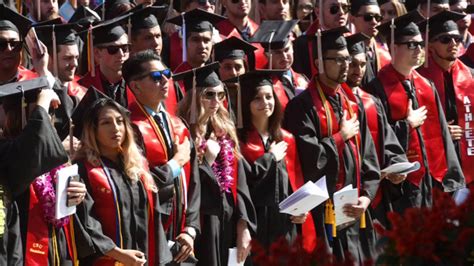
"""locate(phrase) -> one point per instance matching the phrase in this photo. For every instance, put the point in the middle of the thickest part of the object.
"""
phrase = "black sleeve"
(260, 170)
(246, 209)
(194, 191)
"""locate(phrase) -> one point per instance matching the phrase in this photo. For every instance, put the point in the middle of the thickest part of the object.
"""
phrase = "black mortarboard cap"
(470, 9)
(404, 25)
(274, 34)
(84, 16)
(23, 87)
(11, 20)
(65, 33)
(148, 17)
(233, 48)
(355, 43)
(197, 20)
(256, 78)
(381, 2)
(357, 4)
(334, 39)
(106, 8)
(442, 22)
(110, 30)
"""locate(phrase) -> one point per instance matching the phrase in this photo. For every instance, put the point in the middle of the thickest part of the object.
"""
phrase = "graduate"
(389, 150)
(275, 170)
(327, 124)
(227, 213)
(453, 81)
(276, 38)
(165, 140)
(123, 196)
(409, 101)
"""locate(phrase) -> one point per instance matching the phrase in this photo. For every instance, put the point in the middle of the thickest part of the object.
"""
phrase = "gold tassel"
(362, 221)
(330, 216)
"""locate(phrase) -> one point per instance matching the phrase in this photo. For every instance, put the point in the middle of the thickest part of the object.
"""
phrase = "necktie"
(410, 92)
(160, 119)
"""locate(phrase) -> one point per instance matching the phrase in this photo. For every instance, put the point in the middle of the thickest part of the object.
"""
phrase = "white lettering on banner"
(468, 131)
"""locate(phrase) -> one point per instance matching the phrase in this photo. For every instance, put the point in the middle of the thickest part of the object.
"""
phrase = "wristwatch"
(190, 231)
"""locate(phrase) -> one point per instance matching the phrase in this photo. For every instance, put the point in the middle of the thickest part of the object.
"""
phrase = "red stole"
(463, 89)
(155, 146)
(26, 74)
(108, 211)
(96, 81)
(280, 92)
(329, 126)
(253, 149)
(176, 51)
(74, 89)
(383, 55)
(398, 101)
(171, 101)
(372, 119)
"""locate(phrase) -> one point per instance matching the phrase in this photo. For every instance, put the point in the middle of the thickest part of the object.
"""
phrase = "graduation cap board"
(332, 39)
(234, 48)
(196, 20)
(11, 20)
(357, 4)
(198, 78)
(108, 6)
(147, 17)
(355, 43)
(442, 22)
(84, 16)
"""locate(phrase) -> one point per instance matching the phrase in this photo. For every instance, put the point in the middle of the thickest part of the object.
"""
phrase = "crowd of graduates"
(190, 121)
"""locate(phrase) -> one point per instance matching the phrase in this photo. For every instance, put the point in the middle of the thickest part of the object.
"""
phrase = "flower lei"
(223, 165)
(43, 186)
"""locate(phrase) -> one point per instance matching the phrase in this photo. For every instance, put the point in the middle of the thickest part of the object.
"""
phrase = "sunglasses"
(211, 2)
(211, 95)
(113, 49)
(413, 45)
(445, 39)
(334, 9)
(158, 75)
(370, 17)
(15, 46)
(340, 60)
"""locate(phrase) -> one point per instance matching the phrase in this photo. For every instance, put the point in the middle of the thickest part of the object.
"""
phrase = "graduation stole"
(371, 112)
(328, 127)
(156, 151)
(176, 55)
(37, 236)
(464, 92)
(108, 210)
(397, 99)
(280, 91)
(382, 56)
(254, 149)
(74, 89)
(171, 101)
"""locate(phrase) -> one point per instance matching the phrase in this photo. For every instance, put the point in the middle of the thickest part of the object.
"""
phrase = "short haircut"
(133, 68)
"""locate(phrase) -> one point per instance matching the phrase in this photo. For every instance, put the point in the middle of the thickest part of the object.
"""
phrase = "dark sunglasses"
(210, 95)
(212, 2)
(113, 49)
(445, 39)
(334, 9)
(413, 45)
(15, 46)
(370, 17)
(158, 75)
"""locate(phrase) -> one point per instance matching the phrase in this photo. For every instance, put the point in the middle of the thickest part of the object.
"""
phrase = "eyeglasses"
(158, 75)
(370, 17)
(445, 39)
(340, 60)
(413, 44)
(211, 2)
(15, 46)
(113, 49)
(334, 9)
(211, 95)
(305, 7)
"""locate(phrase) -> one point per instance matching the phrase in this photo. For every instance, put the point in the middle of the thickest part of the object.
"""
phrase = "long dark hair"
(274, 121)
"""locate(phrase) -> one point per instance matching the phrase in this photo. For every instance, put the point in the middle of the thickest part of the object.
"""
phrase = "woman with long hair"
(390, 9)
(227, 213)
(275, 168)
(123, 193)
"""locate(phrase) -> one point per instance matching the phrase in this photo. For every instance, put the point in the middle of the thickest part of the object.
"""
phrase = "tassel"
(362, 221)
(427, 35)
(392, 37)
(183, 39)
(270, 56)
(55, 54)
(321, 21)
(240, 123)
(23, 107)
(320, 52)
(193, 115)
(19, 6)
(129, 28)
(90, 51)
(103, 10)
(330, 219)
(38, 11)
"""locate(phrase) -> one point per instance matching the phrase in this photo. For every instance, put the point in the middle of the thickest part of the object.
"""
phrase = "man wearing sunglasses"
(170, 154)
(327, 123)
(416, 114)
(454, 83)
(460, 6)
(111, 49)
(365, 16)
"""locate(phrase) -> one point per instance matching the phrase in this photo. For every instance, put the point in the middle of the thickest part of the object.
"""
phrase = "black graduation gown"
(133, 202)
(64, 112)
(406, 195)
(319, 157)
(268, 182)
(35, 151)
(219, 216)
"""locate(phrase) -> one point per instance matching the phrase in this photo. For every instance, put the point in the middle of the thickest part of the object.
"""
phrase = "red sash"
(254, 149)
(464, 91)
(96, 81)
(74, 89)
(107, 210)
(383, 56)
(176, 51)
(26, 74)
(431, 132)
(372, 119)
(329, 125)
(280, 91)
(155, 145)
(299, 80)
(171, 101)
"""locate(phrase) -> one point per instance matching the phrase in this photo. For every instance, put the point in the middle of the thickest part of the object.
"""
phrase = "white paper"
(306, 198)
(402, 168)
(347, 195)
(461, 195)
(233, 258)
(62, 210)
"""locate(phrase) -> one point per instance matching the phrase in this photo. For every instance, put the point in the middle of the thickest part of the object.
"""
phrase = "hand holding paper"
(305, 198)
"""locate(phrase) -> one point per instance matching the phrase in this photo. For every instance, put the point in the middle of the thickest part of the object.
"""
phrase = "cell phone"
(33, 43)
(71, 178)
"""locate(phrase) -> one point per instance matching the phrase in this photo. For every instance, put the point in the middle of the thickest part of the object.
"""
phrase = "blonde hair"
(135, 165)
(221, 121)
